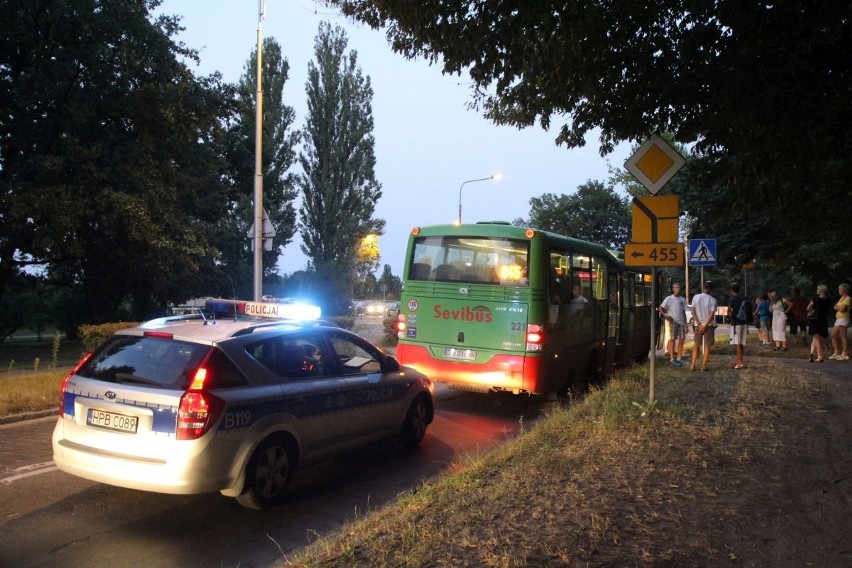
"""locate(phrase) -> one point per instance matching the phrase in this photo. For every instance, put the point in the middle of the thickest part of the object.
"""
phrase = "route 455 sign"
(653, 254)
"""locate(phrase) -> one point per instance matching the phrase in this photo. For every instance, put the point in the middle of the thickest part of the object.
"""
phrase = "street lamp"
(495, 177)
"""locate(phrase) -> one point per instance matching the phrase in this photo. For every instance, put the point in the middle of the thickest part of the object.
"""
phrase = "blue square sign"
(702, 252)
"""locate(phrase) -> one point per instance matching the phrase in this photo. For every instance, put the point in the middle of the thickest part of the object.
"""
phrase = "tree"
(760, 90)
(108, 157)
(388, 285)
(366, 262)
(594, 213)
(338, 184)
(277, 157)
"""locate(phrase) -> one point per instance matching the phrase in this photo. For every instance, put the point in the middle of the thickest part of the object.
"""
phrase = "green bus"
(491, 307)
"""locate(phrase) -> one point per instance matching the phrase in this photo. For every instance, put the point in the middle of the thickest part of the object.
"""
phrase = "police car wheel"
(416, 421)
(268, 475)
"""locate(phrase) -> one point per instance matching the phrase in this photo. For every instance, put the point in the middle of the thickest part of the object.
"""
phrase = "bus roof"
(503, 229)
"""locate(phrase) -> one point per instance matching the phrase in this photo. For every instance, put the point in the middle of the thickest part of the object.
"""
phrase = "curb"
(24, 416)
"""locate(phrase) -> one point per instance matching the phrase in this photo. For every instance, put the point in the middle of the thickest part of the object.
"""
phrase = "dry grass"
(30, 391)
(31, 374)
(610, 481)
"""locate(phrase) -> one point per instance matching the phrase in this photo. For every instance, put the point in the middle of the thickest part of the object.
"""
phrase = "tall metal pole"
(652, 367)
(258, 164)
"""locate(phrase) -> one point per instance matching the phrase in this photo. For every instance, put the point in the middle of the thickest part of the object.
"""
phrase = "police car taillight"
(535, 337)
(198, 409)
(64, 386)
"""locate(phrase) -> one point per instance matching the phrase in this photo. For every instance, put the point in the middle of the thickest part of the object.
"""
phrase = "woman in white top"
(779, 320)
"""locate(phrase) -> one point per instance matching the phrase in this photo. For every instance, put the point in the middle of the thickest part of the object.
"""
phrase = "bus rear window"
(470, 260)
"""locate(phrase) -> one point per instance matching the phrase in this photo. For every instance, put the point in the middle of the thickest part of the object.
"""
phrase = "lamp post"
(495, 177)
(258, 164)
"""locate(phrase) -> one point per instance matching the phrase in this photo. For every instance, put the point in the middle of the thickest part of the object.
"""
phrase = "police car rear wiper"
(128, 378)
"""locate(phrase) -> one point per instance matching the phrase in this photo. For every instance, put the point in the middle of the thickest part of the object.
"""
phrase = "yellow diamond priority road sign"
(654, 163)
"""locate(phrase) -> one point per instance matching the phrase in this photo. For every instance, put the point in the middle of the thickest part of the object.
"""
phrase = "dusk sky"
(427, 141)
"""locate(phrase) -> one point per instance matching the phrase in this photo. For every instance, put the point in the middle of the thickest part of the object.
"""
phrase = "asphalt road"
(50, 518)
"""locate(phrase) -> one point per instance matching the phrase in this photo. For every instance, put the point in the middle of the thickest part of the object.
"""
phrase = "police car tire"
(268, 475)
(416, 421)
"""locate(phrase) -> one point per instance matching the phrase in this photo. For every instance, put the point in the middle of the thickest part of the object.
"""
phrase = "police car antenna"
(233, 295)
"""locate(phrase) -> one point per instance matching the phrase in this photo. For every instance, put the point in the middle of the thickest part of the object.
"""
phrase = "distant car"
(393, 310)
(199, 403)
(375, 309)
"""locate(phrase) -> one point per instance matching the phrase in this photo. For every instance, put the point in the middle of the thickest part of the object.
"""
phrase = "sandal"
(738, 366)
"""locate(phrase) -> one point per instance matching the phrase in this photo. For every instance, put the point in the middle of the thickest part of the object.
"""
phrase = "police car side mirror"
(391, 364)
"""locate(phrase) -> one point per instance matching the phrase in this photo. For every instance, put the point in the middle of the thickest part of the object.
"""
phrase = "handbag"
(811, 314)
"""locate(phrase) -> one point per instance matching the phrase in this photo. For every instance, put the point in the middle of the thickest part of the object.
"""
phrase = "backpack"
(744, 314)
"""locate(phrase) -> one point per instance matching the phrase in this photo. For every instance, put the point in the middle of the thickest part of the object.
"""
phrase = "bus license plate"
(466, 354)
(112, 421)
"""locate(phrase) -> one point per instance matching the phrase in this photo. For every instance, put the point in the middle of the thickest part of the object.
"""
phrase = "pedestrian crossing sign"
(702, 252)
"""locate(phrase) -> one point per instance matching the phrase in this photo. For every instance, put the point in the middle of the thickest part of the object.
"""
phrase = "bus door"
(612, 323)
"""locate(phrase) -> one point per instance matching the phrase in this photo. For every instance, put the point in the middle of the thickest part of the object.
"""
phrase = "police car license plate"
(466, 354)
(112, 421)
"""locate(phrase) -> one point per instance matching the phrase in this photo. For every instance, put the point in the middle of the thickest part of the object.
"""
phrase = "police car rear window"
(150, 361)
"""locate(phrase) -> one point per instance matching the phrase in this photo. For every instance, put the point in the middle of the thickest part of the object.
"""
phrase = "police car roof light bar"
(288, 311)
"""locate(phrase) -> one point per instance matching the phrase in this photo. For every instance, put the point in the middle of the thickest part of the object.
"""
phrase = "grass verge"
(30, 391)
(609, 481)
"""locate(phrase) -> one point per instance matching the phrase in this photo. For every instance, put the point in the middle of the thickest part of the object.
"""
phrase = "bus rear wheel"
(590, 373)
(572, 388)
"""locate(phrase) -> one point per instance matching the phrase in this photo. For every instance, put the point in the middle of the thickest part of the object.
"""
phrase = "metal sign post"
(653, 365)
(655, 221)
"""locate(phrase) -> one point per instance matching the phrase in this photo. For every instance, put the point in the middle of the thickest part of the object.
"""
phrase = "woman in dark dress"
(818, 324)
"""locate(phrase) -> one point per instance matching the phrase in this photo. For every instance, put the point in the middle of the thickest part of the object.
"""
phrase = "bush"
(390, 336)
(93, 336)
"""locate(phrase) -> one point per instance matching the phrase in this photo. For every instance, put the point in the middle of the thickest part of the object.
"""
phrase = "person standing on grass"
(704, 316)
(739, 326)
(841, 324)
(779, 320)
(765, 320)
(673, 309)
(818, 324)
(797, 315)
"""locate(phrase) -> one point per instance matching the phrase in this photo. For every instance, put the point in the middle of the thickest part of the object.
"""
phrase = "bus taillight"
(535, 337)
(400, 326)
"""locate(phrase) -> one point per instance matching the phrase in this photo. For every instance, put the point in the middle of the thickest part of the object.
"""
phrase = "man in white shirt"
(673, 309)
(704, 316)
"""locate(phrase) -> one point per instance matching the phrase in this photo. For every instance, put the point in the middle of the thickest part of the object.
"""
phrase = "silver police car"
(234, 403)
